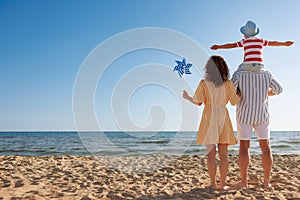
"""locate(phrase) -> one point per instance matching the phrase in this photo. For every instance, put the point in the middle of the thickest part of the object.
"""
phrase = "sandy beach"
(172, 177)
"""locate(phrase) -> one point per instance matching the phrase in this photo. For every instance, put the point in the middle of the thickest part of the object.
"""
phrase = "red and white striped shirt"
(253, 49)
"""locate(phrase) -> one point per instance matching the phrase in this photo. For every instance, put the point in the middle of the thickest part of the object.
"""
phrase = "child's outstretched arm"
(189, 98)
(276, 43)
(224, 46)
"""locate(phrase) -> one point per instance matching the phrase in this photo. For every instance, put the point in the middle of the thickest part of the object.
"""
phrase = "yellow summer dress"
(215, 126)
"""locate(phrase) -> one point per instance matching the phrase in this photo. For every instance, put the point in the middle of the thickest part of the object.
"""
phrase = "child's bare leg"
(267, 160)
(211, 164)
(223, 154)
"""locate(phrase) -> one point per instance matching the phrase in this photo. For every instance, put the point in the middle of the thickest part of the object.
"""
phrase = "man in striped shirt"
(253, 59)
(252, 112)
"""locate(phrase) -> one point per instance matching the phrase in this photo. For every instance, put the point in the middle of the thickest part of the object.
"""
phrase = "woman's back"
(215, 96)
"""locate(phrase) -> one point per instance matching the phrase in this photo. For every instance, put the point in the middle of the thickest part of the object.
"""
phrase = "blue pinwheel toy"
(182, 67)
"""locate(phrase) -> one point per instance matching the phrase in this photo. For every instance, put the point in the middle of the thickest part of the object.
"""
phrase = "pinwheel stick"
(184, 80)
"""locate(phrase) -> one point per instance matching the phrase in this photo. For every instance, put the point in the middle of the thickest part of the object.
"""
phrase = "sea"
(127, 143)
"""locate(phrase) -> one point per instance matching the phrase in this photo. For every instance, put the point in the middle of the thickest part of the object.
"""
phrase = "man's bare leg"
(244, 160)
(267, 160)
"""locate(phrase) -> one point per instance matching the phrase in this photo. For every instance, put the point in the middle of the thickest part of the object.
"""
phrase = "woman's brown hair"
(216, 70)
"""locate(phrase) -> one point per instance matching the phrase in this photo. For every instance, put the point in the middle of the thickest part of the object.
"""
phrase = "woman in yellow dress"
(214, 91)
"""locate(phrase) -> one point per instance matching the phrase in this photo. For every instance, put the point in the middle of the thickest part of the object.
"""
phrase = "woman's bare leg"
(223, 154)
(211, 164)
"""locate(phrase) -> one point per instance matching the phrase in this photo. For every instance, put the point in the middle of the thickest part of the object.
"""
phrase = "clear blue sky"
(43, 44)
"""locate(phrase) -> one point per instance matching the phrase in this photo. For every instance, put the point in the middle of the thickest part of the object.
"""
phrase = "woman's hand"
(185, 95)
(238, 92)
(271, 93)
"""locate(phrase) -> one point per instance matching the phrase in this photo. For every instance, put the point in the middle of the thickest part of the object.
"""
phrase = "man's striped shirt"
(253, 105)
(252, 49)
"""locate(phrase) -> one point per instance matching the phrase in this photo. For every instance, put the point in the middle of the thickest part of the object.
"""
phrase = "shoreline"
(139, 177)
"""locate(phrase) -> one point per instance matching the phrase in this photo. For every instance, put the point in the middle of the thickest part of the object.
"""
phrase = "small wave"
(192, 152)
(11, 151)
(6, 137)
(110, 153)
(154, 142)
(76, 149)
(233, 150)
(293, 142)
(280, 146)
(28, 152)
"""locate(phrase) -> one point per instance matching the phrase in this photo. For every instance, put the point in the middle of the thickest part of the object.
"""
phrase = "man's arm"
(275, 87)
(234, 79)
(276, 43)
(224, 46)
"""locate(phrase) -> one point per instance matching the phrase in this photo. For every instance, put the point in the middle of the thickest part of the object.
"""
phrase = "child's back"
(253, 53)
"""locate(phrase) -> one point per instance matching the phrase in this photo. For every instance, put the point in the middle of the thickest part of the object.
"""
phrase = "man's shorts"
(244, 131)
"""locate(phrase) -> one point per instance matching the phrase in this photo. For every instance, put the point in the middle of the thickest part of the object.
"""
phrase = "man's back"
(253, 105)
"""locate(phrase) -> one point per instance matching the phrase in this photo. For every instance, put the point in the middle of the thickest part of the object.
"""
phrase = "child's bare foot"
(241, 185)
